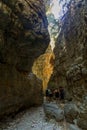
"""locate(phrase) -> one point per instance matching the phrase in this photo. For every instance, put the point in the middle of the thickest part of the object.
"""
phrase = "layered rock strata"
(23, 38)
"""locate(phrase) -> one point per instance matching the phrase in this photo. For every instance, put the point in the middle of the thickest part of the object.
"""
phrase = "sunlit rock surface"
(23, 38)
(70, 69)
(43, 67)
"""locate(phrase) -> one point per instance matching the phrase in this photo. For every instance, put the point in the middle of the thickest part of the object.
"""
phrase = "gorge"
(41, 48)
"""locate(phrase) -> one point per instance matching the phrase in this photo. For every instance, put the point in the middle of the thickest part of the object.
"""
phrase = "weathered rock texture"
(70, 68)
(43, 66)
(52, 110)
(23, 25)
(71, 112)
(23, 38)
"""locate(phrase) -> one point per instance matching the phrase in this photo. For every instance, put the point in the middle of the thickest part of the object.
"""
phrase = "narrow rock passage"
(33, 119)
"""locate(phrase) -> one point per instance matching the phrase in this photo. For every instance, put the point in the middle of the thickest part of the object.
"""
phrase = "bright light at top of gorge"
(55, 10)
(57, 7)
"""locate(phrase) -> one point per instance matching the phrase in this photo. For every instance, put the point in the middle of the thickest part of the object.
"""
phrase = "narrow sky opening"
(56, 10)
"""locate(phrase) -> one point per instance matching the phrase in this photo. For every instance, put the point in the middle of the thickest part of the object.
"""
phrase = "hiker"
(48, 94)
(62, 93)
(56, 95)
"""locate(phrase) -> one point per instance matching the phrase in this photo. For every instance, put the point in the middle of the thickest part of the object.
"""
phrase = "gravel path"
(33, 119)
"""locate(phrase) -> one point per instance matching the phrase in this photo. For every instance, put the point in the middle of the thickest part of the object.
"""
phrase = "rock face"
(18, 91)
(70, 69)
(43, 67)
(23, 38)
(23, 25)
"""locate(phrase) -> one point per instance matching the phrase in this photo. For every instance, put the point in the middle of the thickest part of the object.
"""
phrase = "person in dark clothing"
(51, 95)
(47, 94)
(62, 93)
(56, 94)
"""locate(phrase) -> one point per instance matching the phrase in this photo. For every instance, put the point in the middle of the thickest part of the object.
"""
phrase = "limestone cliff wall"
(23, 38)
(70, 69)
(70, 50)
(43, 67)
(23, 25)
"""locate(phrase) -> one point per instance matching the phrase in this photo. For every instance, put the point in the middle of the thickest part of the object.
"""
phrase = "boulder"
(82, 120)
(82, 123)
(53, 111)
(71, 112)
(20, 93)
(73, 127)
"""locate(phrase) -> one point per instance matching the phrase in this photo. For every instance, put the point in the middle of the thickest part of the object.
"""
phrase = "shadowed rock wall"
(23, 25)
(23, 38)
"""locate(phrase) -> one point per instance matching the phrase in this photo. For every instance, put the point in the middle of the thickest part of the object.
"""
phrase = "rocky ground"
(33, 119)
(36, 118)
